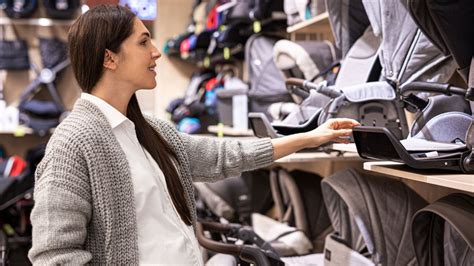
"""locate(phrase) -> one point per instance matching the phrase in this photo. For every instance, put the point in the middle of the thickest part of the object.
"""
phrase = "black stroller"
(364, 229)
(15, 206)
(303, 222)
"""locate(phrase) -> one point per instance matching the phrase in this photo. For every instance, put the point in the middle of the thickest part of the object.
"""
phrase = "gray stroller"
(430, 145)
(370, 217)
(405, 56)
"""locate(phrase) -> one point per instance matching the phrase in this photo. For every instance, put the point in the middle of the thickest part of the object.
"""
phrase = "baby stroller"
(430, 145)
(302, 224)
(311, 60)
(359, 48)
(366, 229)
(16, 187)
(450, 219)
(38, 114)
(405, 56)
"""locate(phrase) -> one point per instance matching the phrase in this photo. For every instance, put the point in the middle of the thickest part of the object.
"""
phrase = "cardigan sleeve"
(62, 208)
(212, 158)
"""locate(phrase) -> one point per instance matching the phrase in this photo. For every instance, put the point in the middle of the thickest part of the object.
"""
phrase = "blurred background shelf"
(316, 28)
(45, 22)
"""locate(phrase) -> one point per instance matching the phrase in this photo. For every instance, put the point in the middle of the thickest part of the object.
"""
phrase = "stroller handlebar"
(245, 252)
(421, 86)
(319, 87)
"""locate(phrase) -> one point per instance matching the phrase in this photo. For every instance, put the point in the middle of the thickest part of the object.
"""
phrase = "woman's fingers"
(342, 133)
(341, 123)
(341, 140)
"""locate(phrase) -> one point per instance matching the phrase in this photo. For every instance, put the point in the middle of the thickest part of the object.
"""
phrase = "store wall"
(172, 74)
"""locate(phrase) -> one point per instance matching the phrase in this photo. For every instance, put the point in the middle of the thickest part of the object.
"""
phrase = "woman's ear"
(109, 60)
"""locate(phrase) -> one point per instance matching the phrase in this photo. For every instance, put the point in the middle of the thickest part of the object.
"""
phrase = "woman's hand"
(338, 130)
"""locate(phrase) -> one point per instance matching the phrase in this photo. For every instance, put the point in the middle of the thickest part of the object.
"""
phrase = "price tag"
(8, 229)
(220, 130)
(226, 53)
(207, 61)
(257, 26)
(19, 132)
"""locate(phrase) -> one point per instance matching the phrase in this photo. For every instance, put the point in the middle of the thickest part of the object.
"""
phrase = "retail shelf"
(310, 157)
(448, 179)
(351, 147)
(229, 131)
(221, 56)
(21, 131)
(321, 19)
(45, 22)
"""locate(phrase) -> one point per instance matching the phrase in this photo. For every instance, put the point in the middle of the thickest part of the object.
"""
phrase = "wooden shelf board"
(229, 131)
(351, 147)
(448, 179)
(23, 130)
(45, 22)
(323, 17)
(304, 157)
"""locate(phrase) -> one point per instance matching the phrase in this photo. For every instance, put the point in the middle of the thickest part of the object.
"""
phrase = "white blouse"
(163, 238)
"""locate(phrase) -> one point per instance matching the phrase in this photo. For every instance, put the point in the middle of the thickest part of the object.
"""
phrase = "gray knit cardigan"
(84, 205)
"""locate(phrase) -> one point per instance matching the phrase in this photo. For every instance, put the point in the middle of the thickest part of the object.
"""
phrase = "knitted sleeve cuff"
(258, 153)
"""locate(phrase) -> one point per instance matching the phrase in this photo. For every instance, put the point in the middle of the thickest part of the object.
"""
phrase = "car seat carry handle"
(319, 87)
(247, 253)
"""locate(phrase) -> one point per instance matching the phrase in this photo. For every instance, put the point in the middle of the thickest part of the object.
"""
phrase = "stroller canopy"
(407, 54)
(437, 19)
(348, 21)
(373, 214)
(442, 232)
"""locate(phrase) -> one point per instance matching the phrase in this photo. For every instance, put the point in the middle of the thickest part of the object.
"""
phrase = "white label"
(240, 112)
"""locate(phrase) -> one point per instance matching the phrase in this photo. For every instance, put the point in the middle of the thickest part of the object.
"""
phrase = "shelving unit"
(45, 22)
(316, 28)
(18, 141)
(229, 131)
(22, 131)
(447, 179)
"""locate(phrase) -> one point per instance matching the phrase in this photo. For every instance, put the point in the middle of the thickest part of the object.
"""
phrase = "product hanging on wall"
(62, 9)
(38, 114)
(20, 8)
(13, 53)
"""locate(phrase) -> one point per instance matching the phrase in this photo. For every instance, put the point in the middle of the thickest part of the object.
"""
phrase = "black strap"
(471, 74)
(287, 233)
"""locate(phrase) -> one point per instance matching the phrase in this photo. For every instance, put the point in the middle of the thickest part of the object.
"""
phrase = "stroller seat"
(450, 109)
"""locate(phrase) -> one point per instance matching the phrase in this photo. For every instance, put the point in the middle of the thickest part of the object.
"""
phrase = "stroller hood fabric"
(406, 53)
(442, 232)
(437, 19)
(309, 57)
(348, 21)
(375, 210)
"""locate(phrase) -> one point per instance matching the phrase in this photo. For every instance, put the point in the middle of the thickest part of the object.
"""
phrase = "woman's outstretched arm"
(337, 130)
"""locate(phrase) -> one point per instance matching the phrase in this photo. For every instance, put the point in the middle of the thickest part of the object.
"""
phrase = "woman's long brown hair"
(106, 27)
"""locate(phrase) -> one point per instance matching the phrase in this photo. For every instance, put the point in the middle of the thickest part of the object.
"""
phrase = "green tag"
(8, 229)
(222, 28)
(19, 132)
(226, 53)
(207, 61)
(220, 130)
(257, 26)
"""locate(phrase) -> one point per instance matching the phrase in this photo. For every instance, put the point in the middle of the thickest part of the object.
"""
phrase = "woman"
(115, 187)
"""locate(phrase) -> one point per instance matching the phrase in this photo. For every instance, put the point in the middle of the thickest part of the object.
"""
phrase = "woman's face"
(136, 59)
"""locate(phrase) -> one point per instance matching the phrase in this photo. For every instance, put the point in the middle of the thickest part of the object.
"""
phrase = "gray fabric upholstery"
(442, 232)
(376, 210)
